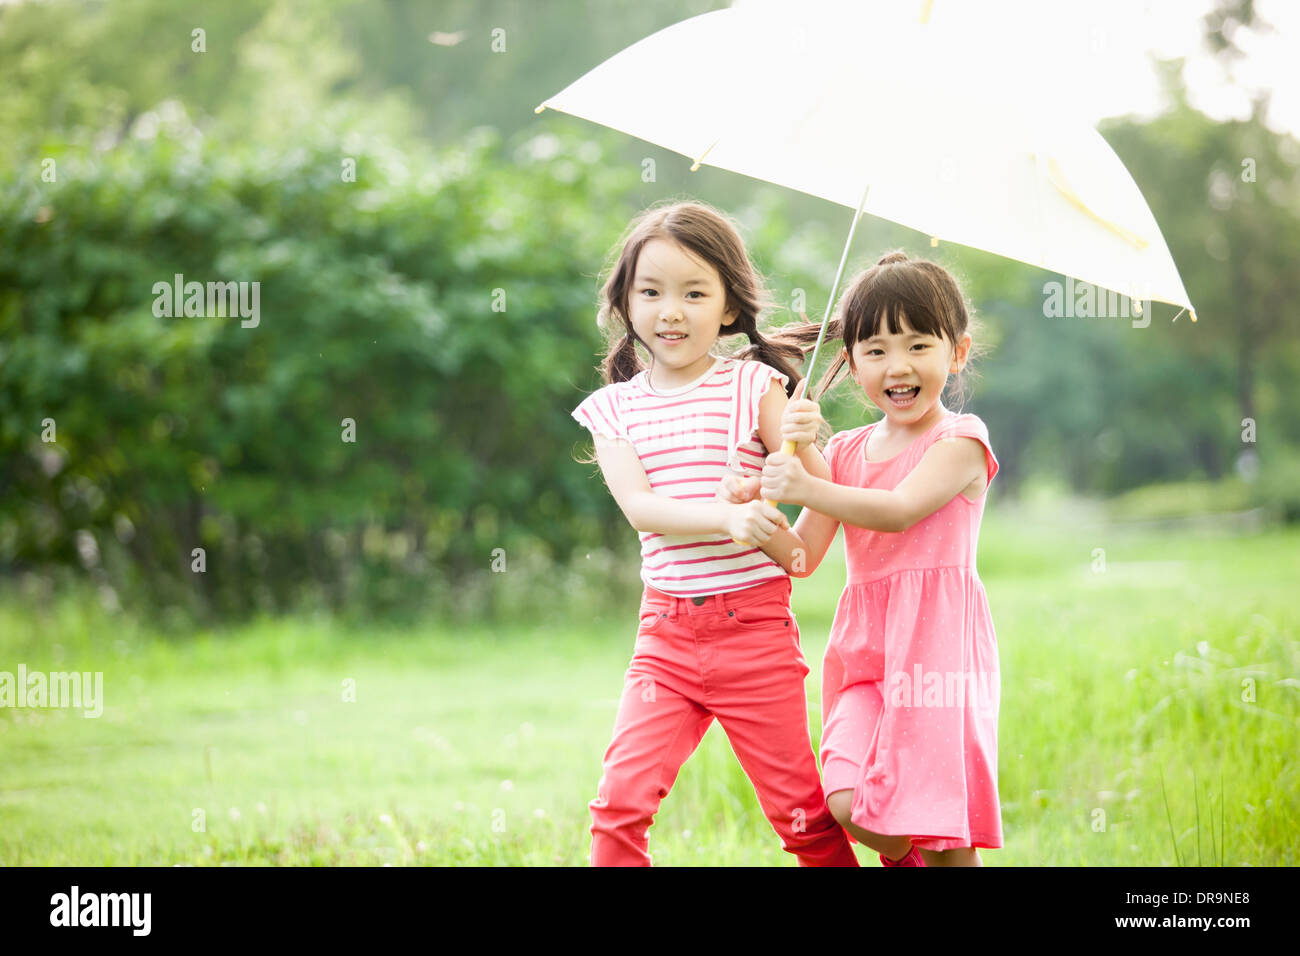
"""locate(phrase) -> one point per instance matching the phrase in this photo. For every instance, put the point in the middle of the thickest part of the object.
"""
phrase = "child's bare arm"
(647, 511)
(801, 550)
(945, 469)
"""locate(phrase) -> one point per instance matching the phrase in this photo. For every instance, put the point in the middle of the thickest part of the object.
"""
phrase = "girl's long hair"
(714, 238)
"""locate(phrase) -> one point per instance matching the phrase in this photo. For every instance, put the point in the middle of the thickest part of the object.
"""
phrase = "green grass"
(484, 748)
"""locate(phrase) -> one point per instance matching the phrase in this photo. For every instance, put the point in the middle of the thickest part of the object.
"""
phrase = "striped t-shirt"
(687, 438)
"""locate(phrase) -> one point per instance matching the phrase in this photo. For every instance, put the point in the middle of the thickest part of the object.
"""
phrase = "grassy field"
(1150, 716)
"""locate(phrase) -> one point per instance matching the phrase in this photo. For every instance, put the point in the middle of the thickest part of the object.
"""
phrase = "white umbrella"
(931, 128)
(900, 118)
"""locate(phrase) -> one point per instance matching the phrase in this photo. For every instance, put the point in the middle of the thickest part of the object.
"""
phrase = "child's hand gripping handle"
(788, 447)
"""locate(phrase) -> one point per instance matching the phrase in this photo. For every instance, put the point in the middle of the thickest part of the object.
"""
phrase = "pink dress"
(910, 685)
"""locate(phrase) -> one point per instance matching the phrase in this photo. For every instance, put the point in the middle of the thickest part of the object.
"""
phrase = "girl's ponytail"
(622, 362)
(784, 355)
(797, 340)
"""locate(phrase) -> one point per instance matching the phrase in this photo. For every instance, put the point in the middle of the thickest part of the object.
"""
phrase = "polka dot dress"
(910, 685)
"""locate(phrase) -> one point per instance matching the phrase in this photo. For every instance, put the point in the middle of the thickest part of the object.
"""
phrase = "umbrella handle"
(787, 448)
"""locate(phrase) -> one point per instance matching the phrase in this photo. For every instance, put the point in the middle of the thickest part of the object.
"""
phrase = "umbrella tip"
(934, 241)
(1192, 313)
(699, 159)
(540, 108)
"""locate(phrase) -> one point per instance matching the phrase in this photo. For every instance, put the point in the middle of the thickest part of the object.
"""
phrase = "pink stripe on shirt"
(673, 433)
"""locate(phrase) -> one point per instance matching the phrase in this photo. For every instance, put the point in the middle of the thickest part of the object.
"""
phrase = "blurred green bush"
(1272, 489)
(442, 301)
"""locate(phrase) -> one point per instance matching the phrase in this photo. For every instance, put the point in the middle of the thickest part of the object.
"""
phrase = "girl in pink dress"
(910, 678)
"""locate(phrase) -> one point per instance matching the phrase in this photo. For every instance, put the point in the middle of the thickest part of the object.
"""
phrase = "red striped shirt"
(687, 438)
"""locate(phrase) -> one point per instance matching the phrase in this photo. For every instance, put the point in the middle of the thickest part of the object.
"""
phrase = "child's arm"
(647, 511)
(944, 470)
(801, 550)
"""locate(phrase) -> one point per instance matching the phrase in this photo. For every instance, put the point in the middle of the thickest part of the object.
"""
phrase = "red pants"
(736, 657)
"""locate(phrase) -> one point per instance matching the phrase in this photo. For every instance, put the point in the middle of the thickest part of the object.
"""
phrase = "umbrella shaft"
(839, 274)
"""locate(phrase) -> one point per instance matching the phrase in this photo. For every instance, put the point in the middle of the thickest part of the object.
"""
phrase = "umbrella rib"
(696, 165)
(1057, 177)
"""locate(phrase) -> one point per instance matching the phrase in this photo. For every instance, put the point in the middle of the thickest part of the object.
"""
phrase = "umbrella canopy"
(938, 131)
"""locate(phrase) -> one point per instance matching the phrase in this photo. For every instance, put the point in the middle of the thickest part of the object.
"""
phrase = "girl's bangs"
(879, 308)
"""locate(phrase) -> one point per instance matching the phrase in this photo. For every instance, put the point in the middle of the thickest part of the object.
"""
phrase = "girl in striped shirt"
(716, 636)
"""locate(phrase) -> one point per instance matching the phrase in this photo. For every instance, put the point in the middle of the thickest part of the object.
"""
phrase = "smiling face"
(904, 372)
(677, 304)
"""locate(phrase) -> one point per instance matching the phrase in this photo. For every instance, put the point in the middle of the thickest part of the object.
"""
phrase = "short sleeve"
(832, 453)
(969, 426)
(598, 413)
(752, 382)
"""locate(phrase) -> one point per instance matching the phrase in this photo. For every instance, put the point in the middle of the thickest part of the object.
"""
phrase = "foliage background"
(177, 433)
